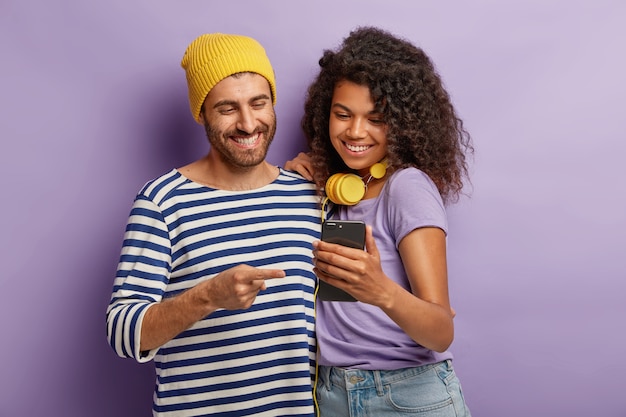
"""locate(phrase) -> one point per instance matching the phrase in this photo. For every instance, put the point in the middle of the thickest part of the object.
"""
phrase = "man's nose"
(246, 122)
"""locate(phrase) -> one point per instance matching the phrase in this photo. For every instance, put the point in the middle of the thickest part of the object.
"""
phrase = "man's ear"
(201, 115)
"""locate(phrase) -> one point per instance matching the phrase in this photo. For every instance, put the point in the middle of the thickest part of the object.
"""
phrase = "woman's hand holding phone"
(358, 273)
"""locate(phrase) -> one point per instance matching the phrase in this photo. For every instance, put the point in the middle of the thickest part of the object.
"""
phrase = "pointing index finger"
(269, 274)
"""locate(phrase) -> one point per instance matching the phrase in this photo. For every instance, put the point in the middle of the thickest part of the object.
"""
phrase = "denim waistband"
(354, 379)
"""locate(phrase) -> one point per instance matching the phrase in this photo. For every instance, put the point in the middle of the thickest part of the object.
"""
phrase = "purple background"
(93, 104)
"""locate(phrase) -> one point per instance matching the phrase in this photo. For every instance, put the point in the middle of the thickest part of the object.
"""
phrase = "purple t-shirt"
(362, 336)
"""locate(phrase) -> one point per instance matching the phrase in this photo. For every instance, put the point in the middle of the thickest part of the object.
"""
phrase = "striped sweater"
(258, 361)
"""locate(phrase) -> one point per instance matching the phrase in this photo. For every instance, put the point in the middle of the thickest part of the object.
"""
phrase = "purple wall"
(93, 104)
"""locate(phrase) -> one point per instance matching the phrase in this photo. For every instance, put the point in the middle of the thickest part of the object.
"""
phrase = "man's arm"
(233, 289)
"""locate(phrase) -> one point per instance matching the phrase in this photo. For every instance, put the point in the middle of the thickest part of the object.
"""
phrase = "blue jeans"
(429, 390)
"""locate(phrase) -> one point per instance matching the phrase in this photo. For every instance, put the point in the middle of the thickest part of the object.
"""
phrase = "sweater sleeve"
(141, 279)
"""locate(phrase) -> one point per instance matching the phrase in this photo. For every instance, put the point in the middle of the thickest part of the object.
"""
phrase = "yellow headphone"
(349, 189)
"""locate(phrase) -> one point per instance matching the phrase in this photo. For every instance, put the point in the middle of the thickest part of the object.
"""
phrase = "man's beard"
(235, 156)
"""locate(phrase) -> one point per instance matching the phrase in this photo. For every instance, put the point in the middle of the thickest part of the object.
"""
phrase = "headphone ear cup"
(378, 170)
(330, 187)
(345, 189)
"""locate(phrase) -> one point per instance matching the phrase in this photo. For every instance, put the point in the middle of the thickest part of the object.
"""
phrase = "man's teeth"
(355, 148)
(247, 141)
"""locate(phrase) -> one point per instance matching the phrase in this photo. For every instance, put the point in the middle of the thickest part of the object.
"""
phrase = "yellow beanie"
(212, 57)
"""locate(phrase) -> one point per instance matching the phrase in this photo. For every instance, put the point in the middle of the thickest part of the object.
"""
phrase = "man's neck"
(215, 174)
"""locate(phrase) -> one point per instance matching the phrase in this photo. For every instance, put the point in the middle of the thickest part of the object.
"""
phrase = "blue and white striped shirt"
(258, 361)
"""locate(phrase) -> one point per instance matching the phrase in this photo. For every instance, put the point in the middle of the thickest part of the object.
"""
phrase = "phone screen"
(342, 232)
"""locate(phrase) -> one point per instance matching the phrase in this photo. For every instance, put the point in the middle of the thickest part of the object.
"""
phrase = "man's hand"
(237, 287)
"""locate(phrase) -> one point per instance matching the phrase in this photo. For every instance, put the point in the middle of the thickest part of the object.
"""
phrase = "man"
(215, 280)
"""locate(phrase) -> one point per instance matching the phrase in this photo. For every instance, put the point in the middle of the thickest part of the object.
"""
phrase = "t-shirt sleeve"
(414, 202)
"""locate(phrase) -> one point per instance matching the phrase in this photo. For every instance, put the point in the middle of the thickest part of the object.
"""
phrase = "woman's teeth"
(357, 148)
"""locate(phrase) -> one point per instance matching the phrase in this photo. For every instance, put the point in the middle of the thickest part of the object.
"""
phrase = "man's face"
(239, 119)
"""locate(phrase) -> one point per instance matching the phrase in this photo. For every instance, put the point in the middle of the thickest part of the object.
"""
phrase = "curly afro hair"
(423, 128)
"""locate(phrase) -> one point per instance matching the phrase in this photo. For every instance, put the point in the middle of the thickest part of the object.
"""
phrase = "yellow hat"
(212, 57)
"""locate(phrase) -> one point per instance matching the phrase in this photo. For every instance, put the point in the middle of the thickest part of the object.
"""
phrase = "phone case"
(347, 233)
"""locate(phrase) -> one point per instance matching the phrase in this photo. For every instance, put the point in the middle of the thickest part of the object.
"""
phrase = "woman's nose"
(357, 129)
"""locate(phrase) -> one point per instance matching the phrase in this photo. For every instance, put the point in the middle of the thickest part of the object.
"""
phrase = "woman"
(378, 99)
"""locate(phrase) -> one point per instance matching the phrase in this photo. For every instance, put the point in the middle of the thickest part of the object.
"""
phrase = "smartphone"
(347, 233)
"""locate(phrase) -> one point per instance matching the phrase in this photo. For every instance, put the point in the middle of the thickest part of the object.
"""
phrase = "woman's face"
(357, 132)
